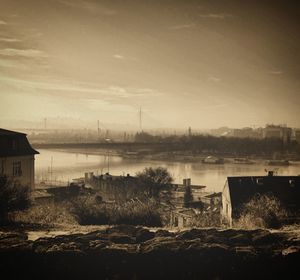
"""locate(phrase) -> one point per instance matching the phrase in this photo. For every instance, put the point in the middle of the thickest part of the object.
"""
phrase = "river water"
(69, 165)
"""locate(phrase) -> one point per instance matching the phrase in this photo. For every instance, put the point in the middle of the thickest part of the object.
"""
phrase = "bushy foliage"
(264, 211)
(49, 214)
(13, 196)
(87, 211)
(154, 180)
(209, 219)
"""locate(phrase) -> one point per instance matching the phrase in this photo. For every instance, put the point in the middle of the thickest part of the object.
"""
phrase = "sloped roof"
(13, 143)
(10, 132)
(285, 188)
(211, 195)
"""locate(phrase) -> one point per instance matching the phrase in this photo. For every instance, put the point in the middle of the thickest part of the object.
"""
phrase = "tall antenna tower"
(140, 118)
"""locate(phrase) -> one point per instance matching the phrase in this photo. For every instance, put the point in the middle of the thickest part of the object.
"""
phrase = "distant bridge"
(131, 146)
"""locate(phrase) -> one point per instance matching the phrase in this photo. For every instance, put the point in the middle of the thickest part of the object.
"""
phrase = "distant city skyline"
(69, 124)
(191, 63)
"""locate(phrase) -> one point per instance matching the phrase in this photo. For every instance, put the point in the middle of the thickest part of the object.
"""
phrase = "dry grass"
(262, 211)
(88, 211)
(206, 220)
(49, 214)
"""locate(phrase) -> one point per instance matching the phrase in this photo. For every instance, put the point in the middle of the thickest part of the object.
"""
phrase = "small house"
(240, 190)
(16, 157)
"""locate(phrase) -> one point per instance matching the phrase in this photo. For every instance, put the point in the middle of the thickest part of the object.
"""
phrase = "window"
(17, 170)
(226, 208)
(292, 183)
(259, 181)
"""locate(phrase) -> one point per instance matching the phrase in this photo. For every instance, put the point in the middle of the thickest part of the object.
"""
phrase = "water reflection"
(67, 166)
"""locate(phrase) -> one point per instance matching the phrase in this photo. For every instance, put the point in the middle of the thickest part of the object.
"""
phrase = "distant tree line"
(221, 145)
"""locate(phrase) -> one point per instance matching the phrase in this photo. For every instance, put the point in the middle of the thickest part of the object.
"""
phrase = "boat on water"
(129, 154)
(213, 160)
(243, 161)
(278, 162)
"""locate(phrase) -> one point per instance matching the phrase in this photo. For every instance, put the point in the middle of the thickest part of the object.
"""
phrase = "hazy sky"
(186, 63)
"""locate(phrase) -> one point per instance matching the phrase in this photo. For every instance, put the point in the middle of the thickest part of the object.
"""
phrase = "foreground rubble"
(128, 252)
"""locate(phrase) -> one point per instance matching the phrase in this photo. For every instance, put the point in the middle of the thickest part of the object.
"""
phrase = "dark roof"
(9, 132)
(218, 194)
(285, 188)
(14, 143)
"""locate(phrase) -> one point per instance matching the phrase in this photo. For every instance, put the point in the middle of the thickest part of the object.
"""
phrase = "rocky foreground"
(127, 252)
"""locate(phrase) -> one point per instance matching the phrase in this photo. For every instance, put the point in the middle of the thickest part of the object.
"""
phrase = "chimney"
(86, 176)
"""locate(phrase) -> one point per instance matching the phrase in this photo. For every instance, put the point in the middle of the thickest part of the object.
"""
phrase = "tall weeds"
(264, 211)
(88, 211)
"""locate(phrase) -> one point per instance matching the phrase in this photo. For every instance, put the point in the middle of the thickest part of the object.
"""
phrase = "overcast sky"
(202, 64)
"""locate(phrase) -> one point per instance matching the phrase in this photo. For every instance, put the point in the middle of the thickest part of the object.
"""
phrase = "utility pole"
(51, 169)
(98, 130)
(108, 161)
(45, 123)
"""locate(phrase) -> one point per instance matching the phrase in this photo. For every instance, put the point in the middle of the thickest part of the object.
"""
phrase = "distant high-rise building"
(246, 132)
(297, 135)
(278, 131)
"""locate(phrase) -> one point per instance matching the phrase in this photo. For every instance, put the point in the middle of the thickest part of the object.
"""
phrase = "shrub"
(263, 211)
(206, 220)
(87, 211)
(153, 180)
(136, 213)
(13, 196)
(49, 214)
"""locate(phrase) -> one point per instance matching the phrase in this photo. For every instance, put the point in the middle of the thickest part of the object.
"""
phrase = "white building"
(16, 157)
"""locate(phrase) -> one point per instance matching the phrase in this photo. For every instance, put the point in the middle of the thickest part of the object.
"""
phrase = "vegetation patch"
(49, 214)
(88, 211)
(263, 211)
(13, 197)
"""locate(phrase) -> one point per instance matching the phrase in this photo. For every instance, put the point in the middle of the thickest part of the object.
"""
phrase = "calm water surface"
(67, 166)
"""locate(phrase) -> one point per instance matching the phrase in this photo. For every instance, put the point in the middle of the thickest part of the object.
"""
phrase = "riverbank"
(201, 146)
(128, 252)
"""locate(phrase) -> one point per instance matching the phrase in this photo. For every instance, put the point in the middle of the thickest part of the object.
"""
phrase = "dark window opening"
(292, 183)
(259, 181)
(17, 169)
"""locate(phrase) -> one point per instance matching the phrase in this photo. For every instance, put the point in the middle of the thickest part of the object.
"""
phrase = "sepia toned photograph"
(149, 139)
